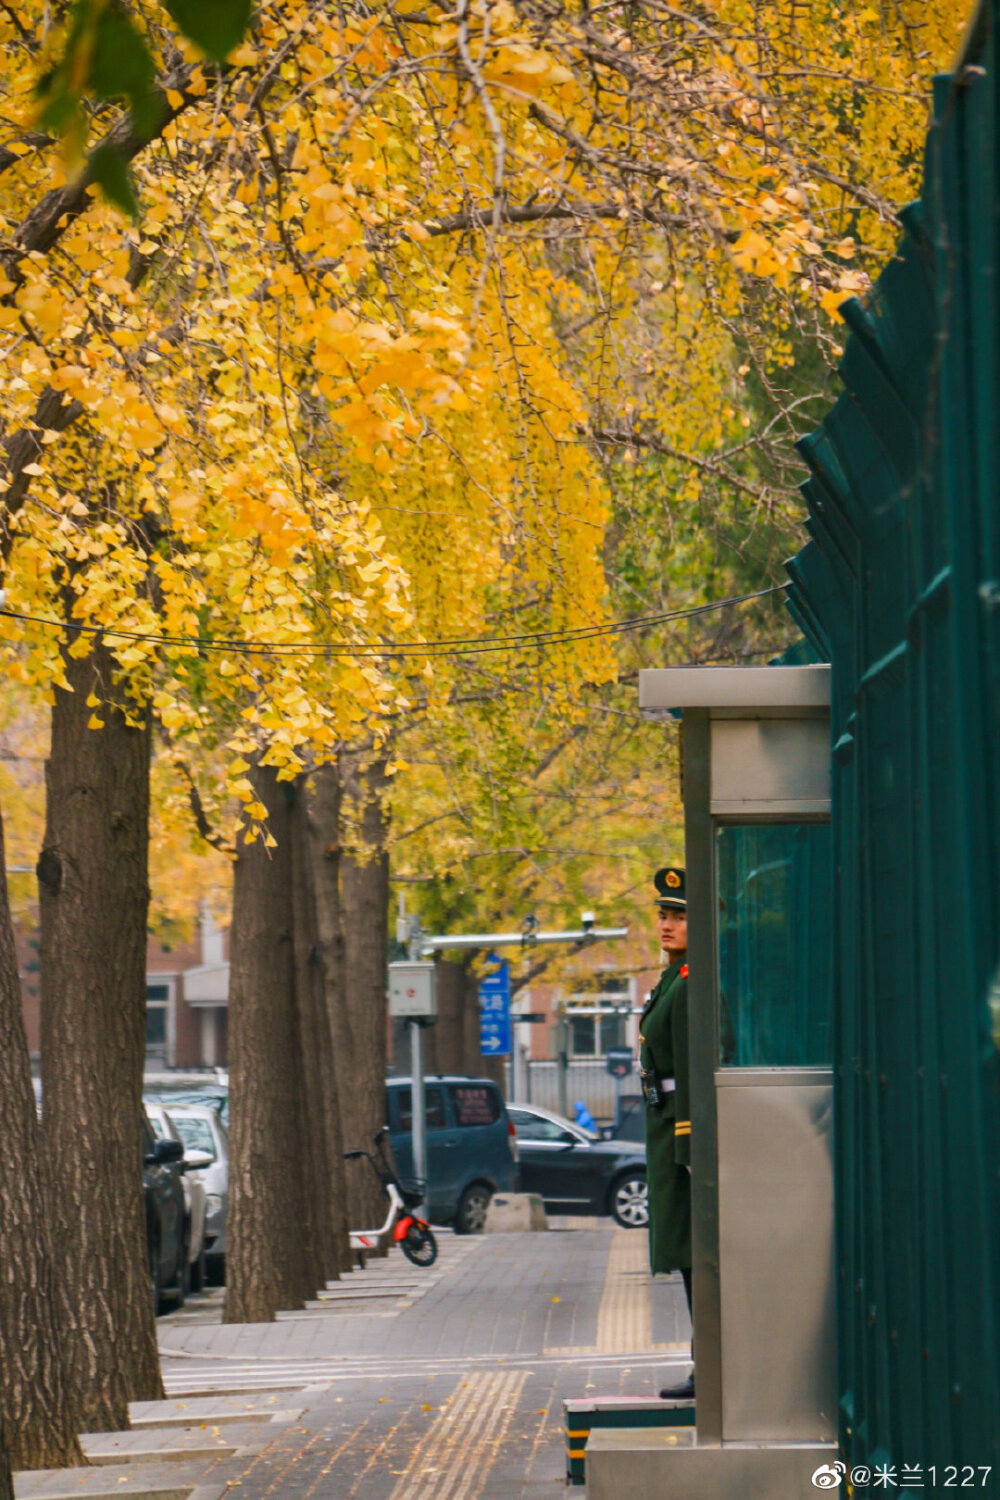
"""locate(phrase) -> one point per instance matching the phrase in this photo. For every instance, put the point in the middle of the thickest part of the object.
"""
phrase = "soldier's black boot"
(682, 1392)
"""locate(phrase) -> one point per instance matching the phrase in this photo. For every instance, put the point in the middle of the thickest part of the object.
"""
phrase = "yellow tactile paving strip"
(624, 1318)
(453, 1459)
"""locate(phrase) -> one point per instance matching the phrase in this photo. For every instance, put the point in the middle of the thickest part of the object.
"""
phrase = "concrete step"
(216, 1410)
(360, 1293)
(584, 1414)
(171, 1444)
(149, 1481)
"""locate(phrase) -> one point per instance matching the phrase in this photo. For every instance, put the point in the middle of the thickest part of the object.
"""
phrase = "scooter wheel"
(419, 1245)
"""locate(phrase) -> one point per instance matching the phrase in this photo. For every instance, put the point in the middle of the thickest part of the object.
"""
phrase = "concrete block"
(513, 1213)
(671, 1466)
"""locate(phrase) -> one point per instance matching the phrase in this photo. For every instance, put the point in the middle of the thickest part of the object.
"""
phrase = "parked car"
(194, 1198)
(166, 1226)
(471, 1146)
(577, 1173)
(206, 1142)
(171, 1088)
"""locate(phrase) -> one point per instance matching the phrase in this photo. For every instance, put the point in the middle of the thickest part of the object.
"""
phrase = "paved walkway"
(402, 1384)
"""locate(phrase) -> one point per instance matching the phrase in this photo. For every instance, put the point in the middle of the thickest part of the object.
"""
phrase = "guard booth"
(756, 779)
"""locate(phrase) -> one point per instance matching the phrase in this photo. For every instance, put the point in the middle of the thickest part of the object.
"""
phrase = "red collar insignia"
(684, 971)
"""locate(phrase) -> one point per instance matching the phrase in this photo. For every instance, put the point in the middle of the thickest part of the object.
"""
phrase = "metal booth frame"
(755, 749)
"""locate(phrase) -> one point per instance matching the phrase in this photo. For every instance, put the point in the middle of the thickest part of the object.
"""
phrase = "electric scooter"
(413, 1236)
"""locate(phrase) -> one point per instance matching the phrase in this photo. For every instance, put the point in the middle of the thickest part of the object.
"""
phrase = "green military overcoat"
(663, 1048)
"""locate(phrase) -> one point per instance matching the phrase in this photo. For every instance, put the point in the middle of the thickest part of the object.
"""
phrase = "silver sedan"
(201, 1129)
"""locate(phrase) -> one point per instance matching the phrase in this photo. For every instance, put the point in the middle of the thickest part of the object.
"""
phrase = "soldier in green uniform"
(663, 1060)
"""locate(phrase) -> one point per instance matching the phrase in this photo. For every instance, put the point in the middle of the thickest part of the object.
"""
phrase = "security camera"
(587, 920)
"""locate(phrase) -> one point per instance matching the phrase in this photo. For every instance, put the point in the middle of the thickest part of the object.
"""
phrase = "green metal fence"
(900, 590)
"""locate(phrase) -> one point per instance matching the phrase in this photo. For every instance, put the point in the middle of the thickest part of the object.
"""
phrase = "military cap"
(671, 890)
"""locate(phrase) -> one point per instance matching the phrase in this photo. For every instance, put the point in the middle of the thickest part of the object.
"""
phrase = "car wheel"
(215, 1270)
(630, 1200)
(470, 1216)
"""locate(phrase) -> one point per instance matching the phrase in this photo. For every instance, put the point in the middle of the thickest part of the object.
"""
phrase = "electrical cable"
(445, 646)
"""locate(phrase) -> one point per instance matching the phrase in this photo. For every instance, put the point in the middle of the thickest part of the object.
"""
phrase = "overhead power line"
(444, 646)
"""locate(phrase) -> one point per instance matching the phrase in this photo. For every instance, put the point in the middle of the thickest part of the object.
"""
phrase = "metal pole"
(584, 936)
(419, 1125)
(563, 1065)
(703, 1048)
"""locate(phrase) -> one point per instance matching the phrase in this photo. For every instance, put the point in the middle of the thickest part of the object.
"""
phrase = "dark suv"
(471, 1146)
(163, 1191)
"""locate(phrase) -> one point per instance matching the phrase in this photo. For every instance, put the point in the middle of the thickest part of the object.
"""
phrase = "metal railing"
(899, 591)
(586, 1078)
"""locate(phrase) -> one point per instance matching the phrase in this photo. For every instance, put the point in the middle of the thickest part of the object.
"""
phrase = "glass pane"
(475, 1104)
(433, 1107)
(156, 1025)
(775, 944)
(582, 1036)
(612, 1032)
(535, 1127)
(195, 1133)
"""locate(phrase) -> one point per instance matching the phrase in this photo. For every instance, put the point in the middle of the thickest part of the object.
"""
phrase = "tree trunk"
(445, 1049)
(36, 1420)
(323, 797)
(270, 1261)
(325, 1150)
(94, 896)
(360, 1033)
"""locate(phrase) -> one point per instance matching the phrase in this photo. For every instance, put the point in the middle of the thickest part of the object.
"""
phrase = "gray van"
(471, 1146)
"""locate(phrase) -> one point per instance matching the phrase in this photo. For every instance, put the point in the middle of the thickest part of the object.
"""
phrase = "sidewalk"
(397, 1383)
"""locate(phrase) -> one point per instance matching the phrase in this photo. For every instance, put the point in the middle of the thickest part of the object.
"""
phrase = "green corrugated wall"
(900, 590)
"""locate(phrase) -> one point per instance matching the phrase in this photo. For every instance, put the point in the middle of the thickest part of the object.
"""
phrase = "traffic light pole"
(586, 934)
(421, 947)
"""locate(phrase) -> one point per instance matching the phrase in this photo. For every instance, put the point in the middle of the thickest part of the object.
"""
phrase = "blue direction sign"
(494, 1010)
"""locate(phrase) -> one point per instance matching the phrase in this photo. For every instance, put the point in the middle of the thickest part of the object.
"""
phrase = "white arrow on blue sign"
(494, 1010)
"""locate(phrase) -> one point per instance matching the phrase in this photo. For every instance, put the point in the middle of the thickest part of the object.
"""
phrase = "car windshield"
(195, 1133)
(532, 1127)
(214, 1098)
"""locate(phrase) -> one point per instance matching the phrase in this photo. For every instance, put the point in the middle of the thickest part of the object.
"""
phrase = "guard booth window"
(775, 944)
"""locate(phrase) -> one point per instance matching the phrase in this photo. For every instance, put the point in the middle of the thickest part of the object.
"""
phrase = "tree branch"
(201, 823)
(53, 214)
